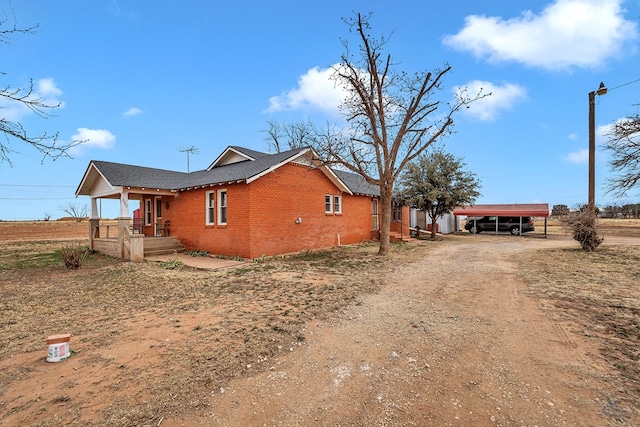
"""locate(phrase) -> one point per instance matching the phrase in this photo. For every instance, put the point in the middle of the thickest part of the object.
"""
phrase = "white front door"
(157, 214)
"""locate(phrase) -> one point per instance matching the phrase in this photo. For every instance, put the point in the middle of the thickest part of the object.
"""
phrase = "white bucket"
(58, 347)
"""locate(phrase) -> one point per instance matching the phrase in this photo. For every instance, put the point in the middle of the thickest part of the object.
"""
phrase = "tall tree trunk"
(434, 226)
(385, 227)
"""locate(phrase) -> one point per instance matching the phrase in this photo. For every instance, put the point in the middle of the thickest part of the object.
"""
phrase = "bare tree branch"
(624, 147)
(389, 113)
(392, 116)
(26, 97)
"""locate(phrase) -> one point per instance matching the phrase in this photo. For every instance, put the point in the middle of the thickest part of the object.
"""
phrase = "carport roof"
(533, 209)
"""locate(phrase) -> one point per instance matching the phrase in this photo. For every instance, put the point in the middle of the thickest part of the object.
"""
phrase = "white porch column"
(95, 214)
(124, 204)
(94, 222)
(123, 221)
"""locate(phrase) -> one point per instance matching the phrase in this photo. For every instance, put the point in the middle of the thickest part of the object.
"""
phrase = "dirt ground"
(464, 331)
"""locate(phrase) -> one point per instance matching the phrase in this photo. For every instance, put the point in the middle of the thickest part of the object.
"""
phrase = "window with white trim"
(222, 207)
(328, 204)
(210, 197)
(374, 214)
(337, 204)
(147, 212)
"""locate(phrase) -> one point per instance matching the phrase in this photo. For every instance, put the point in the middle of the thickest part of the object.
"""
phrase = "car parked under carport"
(517, 217)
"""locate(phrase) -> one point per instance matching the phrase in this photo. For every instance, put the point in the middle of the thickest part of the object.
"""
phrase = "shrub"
(74, 256)
(582, 225)
(172, 264)
(196, 253)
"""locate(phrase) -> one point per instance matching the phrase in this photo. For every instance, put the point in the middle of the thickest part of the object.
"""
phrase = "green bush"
(172, 264)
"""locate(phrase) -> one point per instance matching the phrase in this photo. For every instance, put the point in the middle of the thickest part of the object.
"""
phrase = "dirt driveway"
(443, 333)
(451, 340)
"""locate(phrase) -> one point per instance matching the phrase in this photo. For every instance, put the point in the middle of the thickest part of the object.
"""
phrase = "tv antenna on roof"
(189, 150)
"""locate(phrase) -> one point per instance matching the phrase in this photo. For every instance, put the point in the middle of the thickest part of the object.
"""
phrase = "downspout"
(338, 236)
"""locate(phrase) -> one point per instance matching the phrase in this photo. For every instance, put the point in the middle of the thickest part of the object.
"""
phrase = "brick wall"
(261, 216)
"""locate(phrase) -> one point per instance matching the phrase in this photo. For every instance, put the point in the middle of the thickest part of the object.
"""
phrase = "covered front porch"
(136, 233)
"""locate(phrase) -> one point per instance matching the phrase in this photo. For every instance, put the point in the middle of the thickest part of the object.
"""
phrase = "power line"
(624, 84)
(36, 198)
(36, 186)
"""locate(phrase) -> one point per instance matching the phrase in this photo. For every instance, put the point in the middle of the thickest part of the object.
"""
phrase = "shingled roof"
(257, 164)
(357, 184)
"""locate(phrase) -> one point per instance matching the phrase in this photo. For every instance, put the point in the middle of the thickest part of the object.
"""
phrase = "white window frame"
(337, 204)
(222, 206)
(210, 208)
(328, 203)
(147, 212)
(375, 216)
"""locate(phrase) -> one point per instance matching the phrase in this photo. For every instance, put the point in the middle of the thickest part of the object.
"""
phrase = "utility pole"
(188, 150)
(602, 90)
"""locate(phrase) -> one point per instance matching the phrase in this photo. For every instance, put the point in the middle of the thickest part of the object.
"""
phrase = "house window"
(222, 207)
(396, 211)
(158, 207)
(328, 204)
(210, 207)
(147, 212)
(337, 204)
(374, 214)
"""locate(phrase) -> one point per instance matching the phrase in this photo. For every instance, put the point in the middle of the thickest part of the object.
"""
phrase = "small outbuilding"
(506, 210)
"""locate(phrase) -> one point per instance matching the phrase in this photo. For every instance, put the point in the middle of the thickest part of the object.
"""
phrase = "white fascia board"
(276, 166)
(328, 172)
(93, 172)
(224, 154)
(337, 181)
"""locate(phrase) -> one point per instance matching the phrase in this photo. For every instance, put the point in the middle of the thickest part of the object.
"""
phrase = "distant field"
(47, 230)
(73, 230)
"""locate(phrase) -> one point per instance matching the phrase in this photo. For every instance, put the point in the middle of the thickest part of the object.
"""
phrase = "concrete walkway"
(199, 262)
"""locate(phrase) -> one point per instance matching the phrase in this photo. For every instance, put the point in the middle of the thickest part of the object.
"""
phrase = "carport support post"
(520, 230)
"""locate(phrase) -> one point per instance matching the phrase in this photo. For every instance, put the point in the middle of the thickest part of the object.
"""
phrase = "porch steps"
(162, 246)
(394, 236)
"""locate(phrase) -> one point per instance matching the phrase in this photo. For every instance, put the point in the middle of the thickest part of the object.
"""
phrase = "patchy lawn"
(600, 291)
(152, 338)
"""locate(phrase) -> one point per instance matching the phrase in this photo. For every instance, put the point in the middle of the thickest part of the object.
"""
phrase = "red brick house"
(246, 203)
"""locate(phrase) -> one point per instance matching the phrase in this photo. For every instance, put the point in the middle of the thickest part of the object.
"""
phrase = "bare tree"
(393, 116)
(624, 146)
(76, 212)
(47, 144)
(282, 137)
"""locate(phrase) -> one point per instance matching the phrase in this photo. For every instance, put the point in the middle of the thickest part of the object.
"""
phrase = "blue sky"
(141, 79)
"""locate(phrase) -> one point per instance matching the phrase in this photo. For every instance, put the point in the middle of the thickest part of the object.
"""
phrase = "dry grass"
(600, 292)
(231, 322)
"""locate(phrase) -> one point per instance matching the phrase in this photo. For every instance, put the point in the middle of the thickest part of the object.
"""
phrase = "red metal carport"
(532, 209)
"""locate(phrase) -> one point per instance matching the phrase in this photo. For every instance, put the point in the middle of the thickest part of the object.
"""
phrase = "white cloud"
(47, 87)
(582, 156)
(44, 91)
(132, 111)
(578, 157)
(93, 138)
(503, 97)
(603, 132)
(567, 33)
(315, 91)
